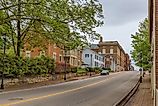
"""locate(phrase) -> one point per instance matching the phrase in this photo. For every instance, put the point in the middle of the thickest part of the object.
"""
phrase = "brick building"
(127, 62)
(153, 19)
(73, 57)
(115, 56)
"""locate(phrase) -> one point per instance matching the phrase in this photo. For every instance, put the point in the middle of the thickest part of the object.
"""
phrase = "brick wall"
(50, 50)
(156, 41)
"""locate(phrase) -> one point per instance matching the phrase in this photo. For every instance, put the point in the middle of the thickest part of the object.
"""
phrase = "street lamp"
(91, 65)
(65, 65)
(4, 48)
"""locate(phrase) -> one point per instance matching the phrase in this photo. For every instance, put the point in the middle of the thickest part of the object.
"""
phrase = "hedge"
(18, 66)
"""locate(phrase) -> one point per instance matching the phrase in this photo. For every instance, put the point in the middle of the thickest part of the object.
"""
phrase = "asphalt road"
(96, 91)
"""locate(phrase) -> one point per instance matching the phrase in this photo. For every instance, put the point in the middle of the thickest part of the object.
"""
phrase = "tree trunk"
(18, 30)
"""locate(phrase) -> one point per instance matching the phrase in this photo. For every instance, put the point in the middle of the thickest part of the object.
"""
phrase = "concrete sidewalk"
(143, 96)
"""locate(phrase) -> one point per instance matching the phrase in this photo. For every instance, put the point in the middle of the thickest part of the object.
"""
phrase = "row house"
(153, 20)
(73, 57)
(92, 58)
(127, 62)
(115, 56)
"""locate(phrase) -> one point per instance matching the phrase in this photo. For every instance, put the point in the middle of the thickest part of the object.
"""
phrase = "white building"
(92, 59)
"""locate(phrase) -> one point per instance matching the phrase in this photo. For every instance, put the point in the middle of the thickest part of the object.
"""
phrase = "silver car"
(104, 72)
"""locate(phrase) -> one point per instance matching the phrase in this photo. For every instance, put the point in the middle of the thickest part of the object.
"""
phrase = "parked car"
(104, 72)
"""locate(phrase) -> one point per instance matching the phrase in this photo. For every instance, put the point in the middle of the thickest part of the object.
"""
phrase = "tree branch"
(26, 30)
(22, 3)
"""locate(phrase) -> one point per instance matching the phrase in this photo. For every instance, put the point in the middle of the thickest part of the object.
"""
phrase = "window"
(75, 62)
(104, 51)
(54, 45)
(96, 57)
(60, 58)
(78, 53)
(78, 62)
(54, 56)
(42, 53)
(86, 55)
(28, 54)
(95, 63)
(61, 52)
(72, 60)
(111, 51)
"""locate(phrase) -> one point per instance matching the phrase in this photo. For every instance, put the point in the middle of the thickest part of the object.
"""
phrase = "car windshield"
(105, 71)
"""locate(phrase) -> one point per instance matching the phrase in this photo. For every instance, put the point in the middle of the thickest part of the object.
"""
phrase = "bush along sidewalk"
(26, 67)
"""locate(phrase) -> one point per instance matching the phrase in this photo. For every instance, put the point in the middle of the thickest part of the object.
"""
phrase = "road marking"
(60, 83)
(54, 84)
(54, 94)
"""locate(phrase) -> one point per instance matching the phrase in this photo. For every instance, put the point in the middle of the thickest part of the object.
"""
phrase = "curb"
(62, 81)
(126, 98)
(59, 82)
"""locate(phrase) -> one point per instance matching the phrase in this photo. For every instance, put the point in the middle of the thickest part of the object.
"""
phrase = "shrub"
(74, 70)
(19, 67)
(98, 69)
(90, 69)
(81, 70)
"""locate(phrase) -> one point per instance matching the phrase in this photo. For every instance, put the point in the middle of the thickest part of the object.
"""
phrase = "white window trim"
(28, 54)
(111, 51)
(42, 53)
(54, 56)
(61, 58)
(103, 51)
(54, 45)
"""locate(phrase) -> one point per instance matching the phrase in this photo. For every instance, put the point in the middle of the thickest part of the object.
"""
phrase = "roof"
(93, 52)
(94, 46)
(112, 43)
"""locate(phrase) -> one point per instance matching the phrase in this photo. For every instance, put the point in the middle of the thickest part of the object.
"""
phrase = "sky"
(122, 19)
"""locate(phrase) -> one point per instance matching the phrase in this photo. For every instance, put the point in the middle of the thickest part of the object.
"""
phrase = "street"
(96, 91)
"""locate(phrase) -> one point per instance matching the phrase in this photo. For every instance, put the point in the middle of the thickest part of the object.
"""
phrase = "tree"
(141, 46)
(49, 19)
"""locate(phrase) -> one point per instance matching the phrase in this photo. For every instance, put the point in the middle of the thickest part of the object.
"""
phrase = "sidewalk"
(143, 96)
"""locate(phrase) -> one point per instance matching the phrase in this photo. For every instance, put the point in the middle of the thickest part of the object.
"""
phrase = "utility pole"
(141, 70)
(65, 63)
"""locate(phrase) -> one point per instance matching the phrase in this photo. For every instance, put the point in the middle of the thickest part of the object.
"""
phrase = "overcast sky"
(122, 18)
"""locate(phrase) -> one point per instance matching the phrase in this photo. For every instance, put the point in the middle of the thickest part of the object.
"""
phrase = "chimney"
(101, 39)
